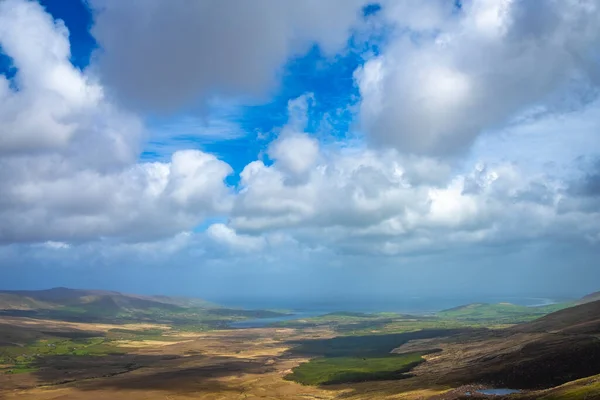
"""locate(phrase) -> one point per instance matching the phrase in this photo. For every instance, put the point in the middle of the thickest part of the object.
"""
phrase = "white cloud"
(223, 234)
(53, 102)
(296, 153)
(447, 75)
(357, 200)
(70, 178)
(147, 200)
(366, 206)
(68, 168)
(56, 245)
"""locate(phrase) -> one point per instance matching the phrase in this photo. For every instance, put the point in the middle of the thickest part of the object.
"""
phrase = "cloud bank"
(477, 129)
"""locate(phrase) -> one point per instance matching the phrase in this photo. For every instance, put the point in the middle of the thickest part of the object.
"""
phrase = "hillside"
(61, 297)
(106, 306)
(429, 354)
(581, 319)
(549, 351)
(590, 297)
(499, 313)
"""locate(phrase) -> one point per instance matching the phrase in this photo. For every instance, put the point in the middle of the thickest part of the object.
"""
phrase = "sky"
(281, 149)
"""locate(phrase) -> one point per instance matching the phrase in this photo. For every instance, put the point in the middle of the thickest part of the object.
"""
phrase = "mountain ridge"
(58, 297)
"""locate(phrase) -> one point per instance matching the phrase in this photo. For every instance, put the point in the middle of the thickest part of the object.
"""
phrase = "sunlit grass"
(327, 371)
(22, 359)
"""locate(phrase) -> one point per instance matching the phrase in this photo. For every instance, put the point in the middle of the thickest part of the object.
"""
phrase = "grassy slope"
(20, 348)
(29, 346)
(550, 351)
(590, 297)
(521, 350)
(586, 388)
(341, 359)
(472, 315)
(104, 306)
(18, 359)
(580, 319)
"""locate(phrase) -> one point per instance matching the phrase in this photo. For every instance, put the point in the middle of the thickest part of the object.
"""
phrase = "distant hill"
(107, 306)
(500, 312)
(590, 297)
(83, 305)
(64, 297)
(580, 319)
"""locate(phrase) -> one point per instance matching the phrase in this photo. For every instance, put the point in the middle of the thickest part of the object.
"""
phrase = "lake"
(412, 305)
(498, 392)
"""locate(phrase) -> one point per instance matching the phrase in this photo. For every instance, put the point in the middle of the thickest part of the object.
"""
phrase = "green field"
(327, 371)
(22, 358)
(501, 313)
(345, 359)
(478, 315)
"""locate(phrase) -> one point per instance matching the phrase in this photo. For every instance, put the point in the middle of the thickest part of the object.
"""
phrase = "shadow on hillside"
(364, 345)
(537, 363)
(11, 333)
(498, 358)
(57, 369)
(151, 372)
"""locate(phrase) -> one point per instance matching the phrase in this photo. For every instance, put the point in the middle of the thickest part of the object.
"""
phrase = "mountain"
(107, 306)
(59, 297)
(499, 313)
(99, 305)
(581, 319)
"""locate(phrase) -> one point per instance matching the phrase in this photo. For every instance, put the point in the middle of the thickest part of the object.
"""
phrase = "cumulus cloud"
(294, 151)
(226, 236)
(67, 154)
(449, 73)
(49, 103)
(71, 182)
(144, 201)
(363, 203)
(360, 200)
(165, 54)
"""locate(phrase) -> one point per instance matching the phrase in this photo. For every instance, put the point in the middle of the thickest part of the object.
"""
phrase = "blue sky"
(329, 78)
(402, 148)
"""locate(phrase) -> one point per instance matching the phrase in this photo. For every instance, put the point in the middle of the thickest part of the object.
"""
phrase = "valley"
(71, 344)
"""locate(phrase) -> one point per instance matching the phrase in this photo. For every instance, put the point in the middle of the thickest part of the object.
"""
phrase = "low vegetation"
(535, 356)
(502, 313)
(93, 306)
(346, 359)
(479, 315)
(335, 370)
(19, 359)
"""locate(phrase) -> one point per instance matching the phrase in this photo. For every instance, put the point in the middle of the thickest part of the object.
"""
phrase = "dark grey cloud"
(589, 184)
(165, 54)
(68, 155)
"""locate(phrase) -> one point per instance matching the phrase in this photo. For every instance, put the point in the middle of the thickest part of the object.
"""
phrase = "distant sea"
(410, 305)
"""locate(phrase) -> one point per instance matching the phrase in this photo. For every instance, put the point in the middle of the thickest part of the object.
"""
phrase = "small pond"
(498, 392)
